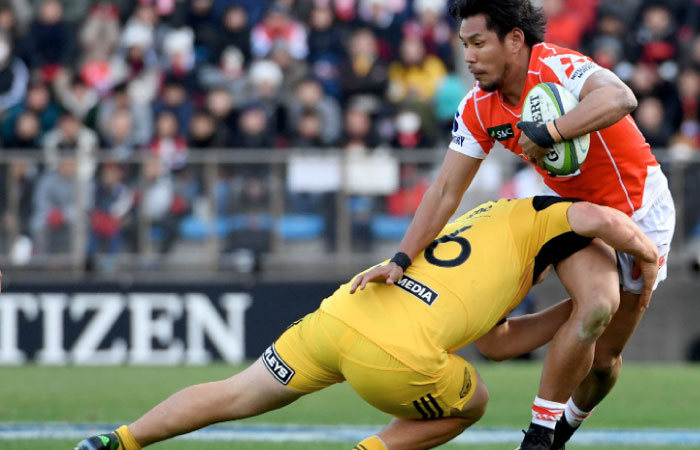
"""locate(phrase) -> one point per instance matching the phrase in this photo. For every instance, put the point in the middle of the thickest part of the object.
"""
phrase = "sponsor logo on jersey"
(501, 132)
(418, 290)
(459, 140)
(277, 367)
(578, 73)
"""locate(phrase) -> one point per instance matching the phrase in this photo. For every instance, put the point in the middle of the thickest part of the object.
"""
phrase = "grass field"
(647, 396)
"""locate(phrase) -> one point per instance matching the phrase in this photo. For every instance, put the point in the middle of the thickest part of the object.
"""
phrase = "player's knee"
(596, 316)
(476, 406)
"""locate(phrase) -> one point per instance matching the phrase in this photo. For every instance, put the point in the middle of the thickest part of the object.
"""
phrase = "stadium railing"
(241, 211)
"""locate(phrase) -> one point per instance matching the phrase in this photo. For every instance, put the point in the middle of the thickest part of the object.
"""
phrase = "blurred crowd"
(110, 80)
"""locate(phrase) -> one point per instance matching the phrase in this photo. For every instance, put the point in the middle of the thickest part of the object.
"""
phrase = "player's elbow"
(625, 100)
(494, 345)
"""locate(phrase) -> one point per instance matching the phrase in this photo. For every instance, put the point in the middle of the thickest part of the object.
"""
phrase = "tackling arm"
(523, 334)
(439, 203)
(622, 234)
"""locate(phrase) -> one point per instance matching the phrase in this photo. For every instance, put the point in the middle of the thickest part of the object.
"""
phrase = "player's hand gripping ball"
(544, 103)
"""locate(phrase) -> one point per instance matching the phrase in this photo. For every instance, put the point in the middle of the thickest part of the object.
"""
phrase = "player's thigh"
(305, 358)
(390, 386)
(254, 391)
(591, 278)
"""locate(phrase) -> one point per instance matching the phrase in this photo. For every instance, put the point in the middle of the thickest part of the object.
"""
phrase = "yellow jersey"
(479, 268)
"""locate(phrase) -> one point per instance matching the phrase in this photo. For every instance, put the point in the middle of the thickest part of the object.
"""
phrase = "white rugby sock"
(574, 415)
(546, 413)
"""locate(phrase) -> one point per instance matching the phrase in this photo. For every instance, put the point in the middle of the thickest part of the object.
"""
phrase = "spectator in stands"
(654, 38)
(55, 206)
(220, 107)
(141, 115)
(119, 140)
(410, 130)
(651, 120)
(201, 17)
(416, 76)
(381, 17)
(169, 146)
(71, 134)
(325, 37)
(76, 97)
(179, 58)
(99, 33)
(564, 26)
(16, 204)
(309, 97)
(229, 73)
(266, 80)
(279, 28)
(175, 99)
(159, 206)
(235, 32)
(98, 38)
(430, 25)
(50, 41)
(359, 134)
(136, 64)
(363, 73)
(113, 203)
(293, 70)
(14, 76)
(38, 100)
(205, 134)
(26, 133)
(307, 131)
(254, 129)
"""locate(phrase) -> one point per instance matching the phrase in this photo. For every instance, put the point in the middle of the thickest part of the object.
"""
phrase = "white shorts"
(657, 219)
(658, 223)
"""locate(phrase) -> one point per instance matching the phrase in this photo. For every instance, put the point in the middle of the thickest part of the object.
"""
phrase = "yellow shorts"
(320, 350)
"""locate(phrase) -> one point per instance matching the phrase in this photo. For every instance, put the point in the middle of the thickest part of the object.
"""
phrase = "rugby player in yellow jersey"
(394, 343)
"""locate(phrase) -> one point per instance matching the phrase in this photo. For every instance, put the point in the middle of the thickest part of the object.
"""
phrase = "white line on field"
(347, 433)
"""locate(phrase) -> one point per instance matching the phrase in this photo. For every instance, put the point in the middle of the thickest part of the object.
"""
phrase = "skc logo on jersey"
(501, 132)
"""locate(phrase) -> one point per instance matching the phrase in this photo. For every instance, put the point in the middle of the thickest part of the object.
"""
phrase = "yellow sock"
(371, 443)
(126, 439)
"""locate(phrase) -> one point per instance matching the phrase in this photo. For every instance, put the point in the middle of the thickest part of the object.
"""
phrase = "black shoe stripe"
(420, 410)
(437, 407)
(360, 447)
(427, 407)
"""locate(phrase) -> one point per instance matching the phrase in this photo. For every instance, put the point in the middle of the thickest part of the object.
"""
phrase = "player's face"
(485, 53)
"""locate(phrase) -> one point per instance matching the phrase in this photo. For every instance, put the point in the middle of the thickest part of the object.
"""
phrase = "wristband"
(402, 260)
(537, 132)
(557, 128)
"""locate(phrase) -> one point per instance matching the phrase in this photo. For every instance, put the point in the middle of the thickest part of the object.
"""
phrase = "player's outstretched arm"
(523, 334)
(437, 206)
(622, 234)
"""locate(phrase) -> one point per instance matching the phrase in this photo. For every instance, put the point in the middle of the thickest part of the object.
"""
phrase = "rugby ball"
(544, 103)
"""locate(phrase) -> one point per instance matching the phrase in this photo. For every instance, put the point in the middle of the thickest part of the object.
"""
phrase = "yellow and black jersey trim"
(428, 407)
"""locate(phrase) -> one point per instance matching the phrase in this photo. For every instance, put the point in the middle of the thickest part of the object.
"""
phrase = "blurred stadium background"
(183, 178)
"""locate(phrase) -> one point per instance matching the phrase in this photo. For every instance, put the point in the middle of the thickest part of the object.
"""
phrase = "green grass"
(647, 396)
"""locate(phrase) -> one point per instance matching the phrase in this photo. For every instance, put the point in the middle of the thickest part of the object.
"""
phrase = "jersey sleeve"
(468, 135)
(570, 69)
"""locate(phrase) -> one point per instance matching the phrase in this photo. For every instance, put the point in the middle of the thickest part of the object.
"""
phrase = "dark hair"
(504, 15)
